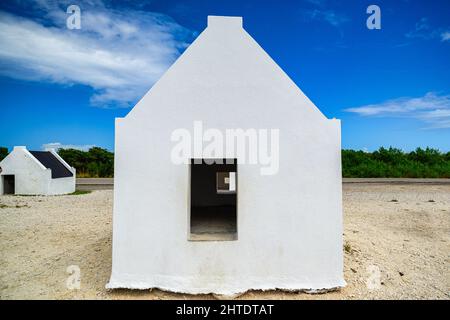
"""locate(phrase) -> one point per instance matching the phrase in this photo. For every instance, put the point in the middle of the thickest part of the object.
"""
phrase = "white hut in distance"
(26, 172)
(280, 231)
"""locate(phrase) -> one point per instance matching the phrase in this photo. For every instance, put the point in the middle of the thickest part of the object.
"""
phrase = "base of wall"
(226, 287)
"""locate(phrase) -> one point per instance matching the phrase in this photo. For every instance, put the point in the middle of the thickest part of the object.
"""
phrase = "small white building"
(226, 228)
(26, 172)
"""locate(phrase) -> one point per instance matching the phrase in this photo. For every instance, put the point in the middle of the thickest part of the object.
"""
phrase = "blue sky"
(390, 87)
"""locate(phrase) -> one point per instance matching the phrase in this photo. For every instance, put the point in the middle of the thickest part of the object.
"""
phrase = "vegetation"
(95, 163)
(3, 153)
(383, 163)
(347, 247)
(393, 163)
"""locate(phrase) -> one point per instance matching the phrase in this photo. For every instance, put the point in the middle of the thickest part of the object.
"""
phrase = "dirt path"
(400, 231)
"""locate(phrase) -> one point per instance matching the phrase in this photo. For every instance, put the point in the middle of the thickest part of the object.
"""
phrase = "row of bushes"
(383, 163)
(393, 163)
(95, 163)
(3, 153)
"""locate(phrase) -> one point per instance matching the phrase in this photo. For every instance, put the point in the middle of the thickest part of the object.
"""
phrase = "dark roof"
(47, 158)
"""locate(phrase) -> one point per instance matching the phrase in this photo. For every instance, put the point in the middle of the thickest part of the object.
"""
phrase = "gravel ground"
(400, 233)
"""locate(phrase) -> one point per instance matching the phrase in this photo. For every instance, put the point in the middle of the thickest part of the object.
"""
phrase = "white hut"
(35, 173)
(268, 220)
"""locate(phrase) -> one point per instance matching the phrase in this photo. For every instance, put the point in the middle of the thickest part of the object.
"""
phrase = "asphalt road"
(108, 183)
(94, 183)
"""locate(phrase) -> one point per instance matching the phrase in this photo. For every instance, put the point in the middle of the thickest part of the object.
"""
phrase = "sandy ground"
(399, 234)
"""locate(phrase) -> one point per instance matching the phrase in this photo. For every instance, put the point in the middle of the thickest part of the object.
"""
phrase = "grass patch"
(79, 192)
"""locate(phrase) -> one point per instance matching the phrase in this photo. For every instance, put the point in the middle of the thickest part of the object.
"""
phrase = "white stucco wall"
(289, 224)
(31, 177)
(62, 185)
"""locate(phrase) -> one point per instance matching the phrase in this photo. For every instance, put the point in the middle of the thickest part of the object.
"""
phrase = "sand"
(396, 237)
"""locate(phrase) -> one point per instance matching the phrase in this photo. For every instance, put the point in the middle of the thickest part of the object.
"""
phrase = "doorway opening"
(213, 200)
(9, 184)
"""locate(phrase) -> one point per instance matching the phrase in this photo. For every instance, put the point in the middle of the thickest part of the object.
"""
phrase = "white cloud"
(316, 2)
(320, 14)
(58, 145)
(119, 53)
(423, 30)
(445, 36)
(333, 18)
(433, 109)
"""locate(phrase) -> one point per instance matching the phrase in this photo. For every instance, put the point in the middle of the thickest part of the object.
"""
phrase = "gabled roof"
(47, 158)
(225, 72)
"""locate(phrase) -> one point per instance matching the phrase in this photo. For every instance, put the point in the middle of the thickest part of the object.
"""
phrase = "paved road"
(95, 183)
(108, 183)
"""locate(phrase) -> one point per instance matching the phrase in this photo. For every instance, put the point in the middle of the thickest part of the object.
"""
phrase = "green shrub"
(94, 163)
(3, 153)
(394, 163)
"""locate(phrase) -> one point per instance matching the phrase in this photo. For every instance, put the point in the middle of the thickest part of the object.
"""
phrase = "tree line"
(3, 153)
(383, 163)
(94, 163)
(394, 163)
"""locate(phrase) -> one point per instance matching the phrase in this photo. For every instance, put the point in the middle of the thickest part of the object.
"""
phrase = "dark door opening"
(213, 210)
(9, 184)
